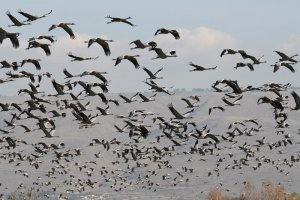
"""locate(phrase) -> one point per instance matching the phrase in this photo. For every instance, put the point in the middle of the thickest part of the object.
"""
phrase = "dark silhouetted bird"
(118, 19)
(167, 31)
(64, 26)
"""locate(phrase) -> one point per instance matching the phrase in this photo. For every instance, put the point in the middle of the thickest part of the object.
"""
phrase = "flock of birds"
(141, 154)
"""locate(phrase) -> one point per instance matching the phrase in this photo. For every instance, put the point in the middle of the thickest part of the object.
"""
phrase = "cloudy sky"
(205, 28)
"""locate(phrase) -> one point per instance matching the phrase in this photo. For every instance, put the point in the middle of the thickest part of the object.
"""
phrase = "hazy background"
(206, 28)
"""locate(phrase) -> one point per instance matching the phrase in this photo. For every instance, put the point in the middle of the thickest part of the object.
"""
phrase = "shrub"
(267, 191)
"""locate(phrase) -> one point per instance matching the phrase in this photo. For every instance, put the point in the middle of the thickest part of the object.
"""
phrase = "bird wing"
(227, 102)
(33, 88)
(289, 66)
(46, 48)
(243, 54)
(188, 112)
(152, 82)
(134, 95)
(297, 100)
(152, 44)
(213, 137)
(103, 87)
(175, 142)
(73, 96)
(138, 43)
(85, 118)
(239, 98)
(13, 19)
(32, 17)
(10, 141)
(68, 74)
(118, 129)
(125, 98)
(209, 110)
(50, 133)
(2, 35)
(28, 16)
(149, 72)
(134, 61)
(255, 60)
(215, 107)
(220, 108)
(57, 87)
(157, 72)
(175, 112)
(159, 52)
(14, 39)
(118, 60)
(223, 52)
(16, 106)
(50, 38)
(276, 68)
(135, 42)
(143, 131)
(102, 111)
(250, 66)
(198, 67)
(234, 86)
(100, 76)
(240, 64)
(275, 91)
(36, 64)
(104, 45)
(143, 97)
(103, 98)
(68, 30)
(127, 22)
(251, 120)
(116, 102)
(175, 34)
(25, 127)
(153, 95)
(187, 101)
(106, 49)
(282, 55)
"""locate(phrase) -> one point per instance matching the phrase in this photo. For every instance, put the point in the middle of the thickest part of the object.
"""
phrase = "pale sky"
(205, 27)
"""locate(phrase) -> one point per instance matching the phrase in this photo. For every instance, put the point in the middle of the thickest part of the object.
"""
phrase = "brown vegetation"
(267, 191)
(29, 195)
